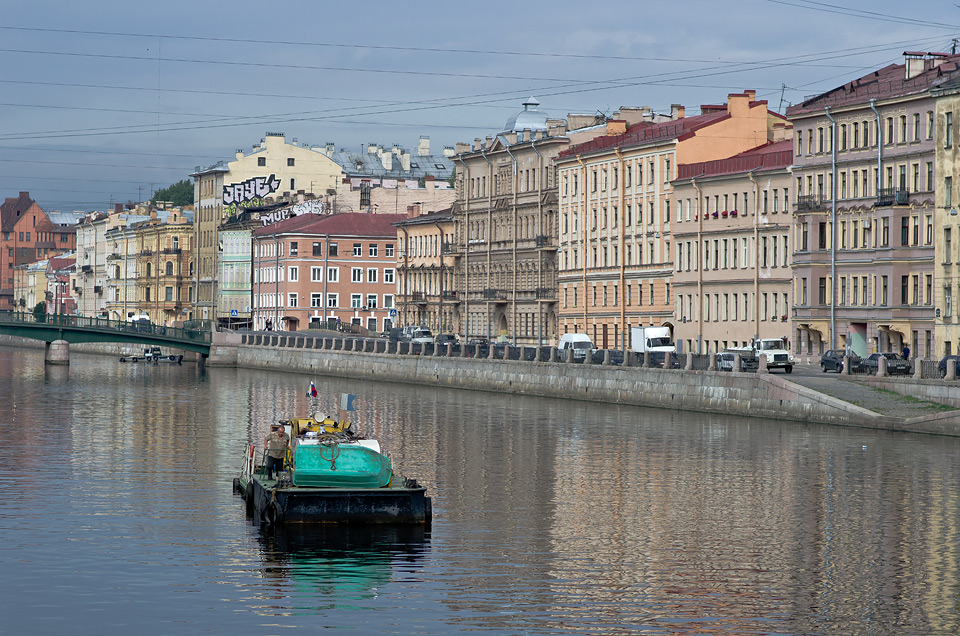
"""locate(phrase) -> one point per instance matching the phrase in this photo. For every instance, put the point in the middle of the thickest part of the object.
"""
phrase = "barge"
(330, 475)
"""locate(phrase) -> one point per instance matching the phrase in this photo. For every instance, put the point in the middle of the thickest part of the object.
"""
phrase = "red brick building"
(27, 235)
(314, 268)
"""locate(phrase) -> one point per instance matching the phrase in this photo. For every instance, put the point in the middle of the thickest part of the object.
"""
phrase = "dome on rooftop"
(527, 119)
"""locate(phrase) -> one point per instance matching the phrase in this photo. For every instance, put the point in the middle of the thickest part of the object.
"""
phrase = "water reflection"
(329, 567)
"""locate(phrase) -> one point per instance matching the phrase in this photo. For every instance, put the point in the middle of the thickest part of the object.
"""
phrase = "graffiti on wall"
(249, 192)
(307, 207)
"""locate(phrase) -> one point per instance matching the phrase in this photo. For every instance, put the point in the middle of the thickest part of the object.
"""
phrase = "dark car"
(394, 334)
(896, 365)
(944, 361)
(832, 360)
(748, 361)
(445, 338)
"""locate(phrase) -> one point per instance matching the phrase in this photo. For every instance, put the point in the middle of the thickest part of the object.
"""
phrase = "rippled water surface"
(550, 517)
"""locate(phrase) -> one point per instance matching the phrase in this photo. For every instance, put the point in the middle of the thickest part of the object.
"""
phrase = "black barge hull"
(295, 504)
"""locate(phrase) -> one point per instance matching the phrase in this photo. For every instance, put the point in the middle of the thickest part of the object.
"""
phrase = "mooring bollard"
(882, 367)
(553, 354)
(646, 360)
(762, 366)
(737, 363)
(845, 370)
(711, 362)
(918, 368)
(688, 363)
(951, 371)
(668, 360)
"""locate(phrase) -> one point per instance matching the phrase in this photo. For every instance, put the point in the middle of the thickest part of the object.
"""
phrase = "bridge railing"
(105, 324)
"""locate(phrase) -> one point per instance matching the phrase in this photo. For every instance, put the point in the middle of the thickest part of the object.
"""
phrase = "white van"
(577, 344)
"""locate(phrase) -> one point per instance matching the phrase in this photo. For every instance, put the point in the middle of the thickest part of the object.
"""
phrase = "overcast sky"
(107, 101)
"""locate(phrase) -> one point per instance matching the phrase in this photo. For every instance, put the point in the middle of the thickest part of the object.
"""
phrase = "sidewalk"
(879, 401)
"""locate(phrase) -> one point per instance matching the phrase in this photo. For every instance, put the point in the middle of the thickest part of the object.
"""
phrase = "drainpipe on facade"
(489, 231)
(583, 241)
(541, 232)
(513, 189)
(406, 275)
(440, 282)
(833, 222)
(255, 270)
(326, 260)
(756, 265)
(623, 290)
(466, 248)
(699, 263)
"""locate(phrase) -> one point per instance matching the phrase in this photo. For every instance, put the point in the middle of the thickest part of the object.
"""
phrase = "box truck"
(652, 339)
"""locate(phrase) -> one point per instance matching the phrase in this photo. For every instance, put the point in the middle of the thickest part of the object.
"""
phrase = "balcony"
(451, 249)
(449, 294)
(114, 257)
(418, 297)
(809, 203)
(546, 293)
(86, 269)
(893, 196)
(146, 252)
(172, 250)
(499, 295)
(543, 241)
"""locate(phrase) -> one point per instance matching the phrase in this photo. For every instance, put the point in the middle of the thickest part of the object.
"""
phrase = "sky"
(105, 102)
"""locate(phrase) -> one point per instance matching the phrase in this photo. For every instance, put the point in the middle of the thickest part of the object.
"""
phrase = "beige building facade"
(732, 279)
(164, 285)
(426, 289)
(618, 212)
(946, 219)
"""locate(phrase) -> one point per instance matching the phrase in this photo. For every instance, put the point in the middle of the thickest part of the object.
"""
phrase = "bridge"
(76, 329)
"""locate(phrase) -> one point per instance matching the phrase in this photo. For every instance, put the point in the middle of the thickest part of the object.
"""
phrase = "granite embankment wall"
(745, 394)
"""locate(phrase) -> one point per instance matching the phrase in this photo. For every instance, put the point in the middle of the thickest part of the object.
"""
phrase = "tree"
(179, 194)
(40, 311)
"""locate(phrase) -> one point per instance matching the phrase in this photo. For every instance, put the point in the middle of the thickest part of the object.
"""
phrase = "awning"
(899, 327)
(820, 326)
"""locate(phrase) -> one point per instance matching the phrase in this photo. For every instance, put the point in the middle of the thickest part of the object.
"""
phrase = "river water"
(550, 517)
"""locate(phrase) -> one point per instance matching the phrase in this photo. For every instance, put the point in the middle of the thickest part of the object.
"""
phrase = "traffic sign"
(393, 313)
(234, 313)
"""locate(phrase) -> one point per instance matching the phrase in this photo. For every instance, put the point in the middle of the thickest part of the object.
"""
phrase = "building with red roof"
(732, 277)
(864, 265)
(338, 268)
(617, 212)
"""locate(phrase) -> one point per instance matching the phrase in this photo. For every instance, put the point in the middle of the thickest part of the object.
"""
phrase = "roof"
(440, 216)
(369, 164)
(346, 224)
(527, 119)
(770, 156)
(12, 209)
(647, 133)
(885, 83)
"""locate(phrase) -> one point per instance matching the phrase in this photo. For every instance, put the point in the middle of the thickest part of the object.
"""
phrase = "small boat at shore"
(332, 475)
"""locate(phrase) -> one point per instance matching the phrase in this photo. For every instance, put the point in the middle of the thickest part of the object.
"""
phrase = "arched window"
(148, 269)
(169, 268)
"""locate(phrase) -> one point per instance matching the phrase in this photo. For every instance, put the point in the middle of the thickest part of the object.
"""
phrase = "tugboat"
(153, 354)
(333, 475)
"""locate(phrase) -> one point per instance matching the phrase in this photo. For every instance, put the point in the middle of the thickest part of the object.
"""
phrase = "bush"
(40, 311)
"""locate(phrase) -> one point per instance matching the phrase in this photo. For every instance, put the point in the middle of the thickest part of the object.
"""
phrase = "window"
(290, 161)
(293, 248)
(333, 274)
(316, 274)
(388, 250)
(355, 300)
(261, 161)
(388, 301)
(388, 276)
(373, 249)
(947, 192)
(294, 273)
(948, 133)
(168, 294)
(357, 249)
(332, 249)
(333, 300)
(822, 291)
(292, 300)
(371, 301)
(356, 274)
(293, 184)
(317, 250)
(316, 300)
(904, 290)
(372, 275)
(905, 231)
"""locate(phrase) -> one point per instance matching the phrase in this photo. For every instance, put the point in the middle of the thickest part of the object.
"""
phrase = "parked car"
(726, 359)
(393, 334)
(832, 360)
(896, 365)
(944, 361)
(421, 335)
(576, 345)
(445, 339)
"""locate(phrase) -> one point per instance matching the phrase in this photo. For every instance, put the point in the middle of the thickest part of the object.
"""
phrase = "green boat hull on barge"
(333, 477)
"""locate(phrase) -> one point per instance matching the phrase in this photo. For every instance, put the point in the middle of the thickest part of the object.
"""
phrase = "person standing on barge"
(276, 444)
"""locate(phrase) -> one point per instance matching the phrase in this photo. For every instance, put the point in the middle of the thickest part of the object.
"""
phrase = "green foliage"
(40, 311)
(180, 193)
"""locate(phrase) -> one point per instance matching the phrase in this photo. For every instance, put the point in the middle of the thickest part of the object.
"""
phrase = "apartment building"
(29, 234)
(164, 283)
(329, 268)
(731, 265)
(426, 290)
(121, 276)
(864, 225)
(946, 262)
(618, 211)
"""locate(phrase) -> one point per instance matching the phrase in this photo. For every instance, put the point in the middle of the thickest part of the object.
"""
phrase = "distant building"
(426, 289)
(28, 234)
(882, 245)
(325, 269)
(164, 286)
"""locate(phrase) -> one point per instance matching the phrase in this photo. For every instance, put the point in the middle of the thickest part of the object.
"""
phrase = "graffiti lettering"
(247, 191)
(308, 207)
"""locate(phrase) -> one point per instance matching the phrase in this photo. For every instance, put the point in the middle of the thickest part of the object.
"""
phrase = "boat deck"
(403, 502)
